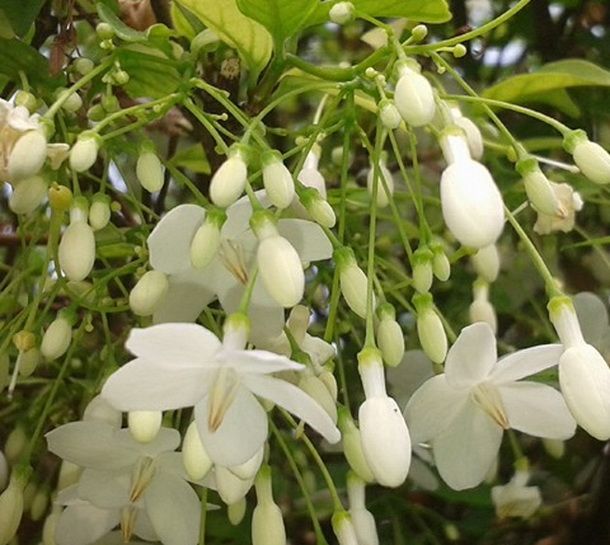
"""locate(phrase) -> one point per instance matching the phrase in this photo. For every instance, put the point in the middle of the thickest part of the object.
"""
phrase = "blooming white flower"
(183, 365)
(139, 486)
(464, 411)
(515, 499)
(570, 202)
(226, 275)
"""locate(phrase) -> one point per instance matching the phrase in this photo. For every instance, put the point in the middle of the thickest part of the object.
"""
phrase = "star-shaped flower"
(184, 365)
(225, 277)
(464, 411)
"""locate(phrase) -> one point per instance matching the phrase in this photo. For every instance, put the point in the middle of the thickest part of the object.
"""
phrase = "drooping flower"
(570, 202)
(226, 273)
(515, 499)
(413, 96)
(184, 365)
(590, 157)
(464, 411)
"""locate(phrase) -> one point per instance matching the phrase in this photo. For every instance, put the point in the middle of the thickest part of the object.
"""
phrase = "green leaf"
(20, 14)
(252, 40)
(16, 56)
(543, 85)
(192, 158)
(421, 11)
(282, 19)
(120, 28)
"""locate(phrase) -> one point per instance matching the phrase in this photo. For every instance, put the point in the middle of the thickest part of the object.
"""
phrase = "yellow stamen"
(222, 395)
(489, 399)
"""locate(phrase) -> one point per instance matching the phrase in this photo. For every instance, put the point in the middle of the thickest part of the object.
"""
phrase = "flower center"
(128, 522)
(221, 397)
(141, 477)
(488, 398)
(232, 256)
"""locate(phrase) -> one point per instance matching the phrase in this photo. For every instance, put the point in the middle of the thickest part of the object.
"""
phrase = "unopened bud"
(341, 13)
(28, 194)
(474, 138)
(49, 528)
(104, 31)
(28, 361)
(150, 171)
(40, 502)
(422, 269)
(236, 511)
(206, 241)
(362, 519)
(72, 102)
(11, 508)
(414, 97)
(440, 263)
(318, 208)
(26, 99)
(389, 114)
(194, 456)
(27, 156)
(459, 51)
(430, 329)
(352, 446)
(277, 180)
(554, 447)
(84, 152)
(83, 65)
(148, 293)
(590, 157)
(352, 280)
(144, 425)
(229, 181)
(77, 246)
(15, 445)
(385, 184)
(267, 521)
(481, 310)
(57, 337)
(344, 529)
(419, 32)
(60, 197)
(99, 213)
(486, 263)
(24, 340)
(538, 188)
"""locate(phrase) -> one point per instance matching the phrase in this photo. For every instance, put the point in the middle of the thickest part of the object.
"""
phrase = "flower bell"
(422, 269)
(11, 507)
(277, 180)
(84, 152)
(590, 157)
(267, 521)
(318, 208)
(99, 212)
(430, 329)
(149, 170)
(27, 156)
(77, 246)
(148, 293)
(538, 188)
(229, 181)
(389, 114)
(413, 95)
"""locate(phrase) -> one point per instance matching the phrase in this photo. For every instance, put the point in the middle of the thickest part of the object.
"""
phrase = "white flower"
(267, 521)
(570, 202)
(515, 499)
(184, 365)
(139, 486)
(191, 289)
(464, 411)
(84, 151)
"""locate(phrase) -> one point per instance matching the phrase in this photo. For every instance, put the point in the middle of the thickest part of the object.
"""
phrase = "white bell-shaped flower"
(267, 521)
(389, 114)
(207, 238)
(99, 212)
(590, 157)
(422, 269)
(77, 245)
(277, 180)
(317, 207)
(362, 518)
(147, 294)
(538, 188)
(413, 96)
(150, 171)
(229, 181)
(84, 152)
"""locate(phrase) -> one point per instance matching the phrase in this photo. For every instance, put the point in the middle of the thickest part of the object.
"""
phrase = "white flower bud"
(84, 152)
(229, 181)
(236, 511)
(317, 390)
(144, 425)
(352, 446)
(344, 529)
(341, 13)
(362, 519)
(422, 269)
(27, 156)
(231, 488)
(99, 213)
(40, 502)
(49, 528)
(352, 280)
(441, 267)
(310, 176)
(486, 263)
(554, 447)
(538, 188)
(389, 114)
(206, 241)
(28, 194)
(318, 208)
(194, 456)
(77, 249)
(277, 180)
(414, 97)
(383, 196)
(472, 204)
(430, 330)
(390, 338)
(15, 445)
(148, 293)
(72, 103)
(590, 157)
(481, 310)
(28, 361)
(150, 171)
(473, 136)
(11, 509)
(267, 521)
(57, 338)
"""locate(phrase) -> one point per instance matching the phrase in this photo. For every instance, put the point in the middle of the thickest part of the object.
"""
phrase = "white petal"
(241, 434)
(174, 344)
(537, 409)
(592, 316)
(166, 440)
(294, 400)
(307, 238)
(170, 242)
(144, 386)
(239, 213)
(105, 489)
(432, 408)
(173, 509)
(404, 379)
(524, 363)
(258, 361)
(187, 295)
(465, 451)
(83, 524)
(472, 356)
(90, 444)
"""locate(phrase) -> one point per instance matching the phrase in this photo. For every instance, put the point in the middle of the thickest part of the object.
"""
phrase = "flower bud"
(28, 361)
(362, 519)
(72, 102)
(148, 293)
(422, 269)
(11, 509)
(590, 157)
(57, 337)
(84, 152)
(144, 425)
(267, 521)
(99, 213)
(389, 114)
(231, 488)
(430, 329)
(384, 191)
(150, 171)
(15, 445)
(309, 175)
(481, 310)
(471, 203)
(206, 241)
(554, 447)
(27, 156)
(229, 181)
(473, 137)
(60, 197)
(352, 446)
(77, 246)
(277, 180)
(344, 529)
(390, 338)
(83, 65)
(49, 528)
(413, 96)
(26, 99)
(538, 188)
(28, 194)
(486, 263)
(236, 511)
(318, 208)
(3, 471)
(440, 263)
(317, 390)
(352, 280)
(341, 13)
(40, 502)
(194, 456)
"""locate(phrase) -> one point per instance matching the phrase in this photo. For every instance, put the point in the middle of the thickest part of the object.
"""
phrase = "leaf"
(542, 85)
(20, 14)
(252, 40)
(119, 27)
(421, 11)
(16, 56)
(192, 158)
(282, 19)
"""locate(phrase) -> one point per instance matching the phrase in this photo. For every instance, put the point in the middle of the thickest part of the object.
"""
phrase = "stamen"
(128, 522)
(232, 257)
(488, 398)
(222, 395)
(143, 474)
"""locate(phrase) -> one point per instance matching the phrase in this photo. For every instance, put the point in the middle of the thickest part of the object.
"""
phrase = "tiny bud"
(318, 208)
(26, 99)
(28, 361)
(194, 456)
(28, 194)
(554, 447)
(389, 114)
(277, 180)
(27, 156)
(538, 188)
(384, 190)
(15, 445)
(440, 263)
(486, 263)
(150, 171)
(229, 180)
(206, 241)
(96, 113)
(390, 339)
(40, 502)
(422, 269)
(57, 337)
(430, 329)
(110, 103)
(419, 32)
(60, 197)
(84, 152)
(120, 77)
(148, 293)
(144, 425)
(341, 13)
(24, 340)
(590, 157)
(352, 446)
(83, 65)
(104, 31)
(459, 51)
(72, 102)
(236, 511)
(413, 96)
(99, 213)
(353, 281)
